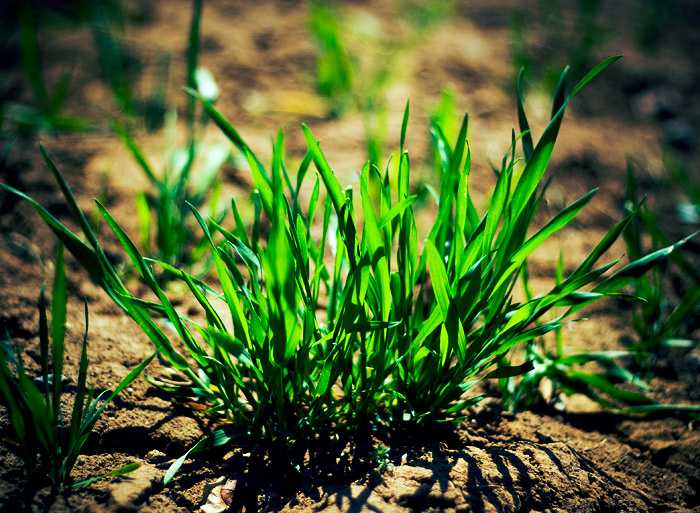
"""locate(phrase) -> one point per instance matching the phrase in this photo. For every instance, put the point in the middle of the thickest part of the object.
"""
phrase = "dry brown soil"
(580, 459)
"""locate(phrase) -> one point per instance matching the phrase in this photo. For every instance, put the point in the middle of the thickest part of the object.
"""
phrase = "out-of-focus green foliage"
(45, 113)
(558, 33)
(358, 58)
(658, 320)
(189, 177)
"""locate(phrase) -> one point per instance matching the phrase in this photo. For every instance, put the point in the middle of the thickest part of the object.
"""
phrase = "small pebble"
(155, 455)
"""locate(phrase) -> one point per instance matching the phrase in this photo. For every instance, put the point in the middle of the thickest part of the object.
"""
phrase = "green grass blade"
(664, 408)
(43, 421)
(247, 255)
(395, 211)
(404, 125)
(527, 143)
(121, 471)
(535, 167)
(80, 393)
(684, 310)
(497, 207)
(131, 249)
(135, 372)
(301, 174)
(327, 175)
(553, 225)
(262, 183)
(192, 53)
(438, 275)
(239, 230)
(376, 247)
(6, 152)
(511, 371)
(136, 152)
(143, 212)
(60, 92)
(58, 329)
(213, 317)
(12, 398)
(639, 267)
(240, 324)
(141, 317)
(83, 253)
(458, 153)
(29, 52)
(560, 92)
(44, 343)
(606, 243)
(226, 128)
(216, 439)
(593, 73)
(602, 384)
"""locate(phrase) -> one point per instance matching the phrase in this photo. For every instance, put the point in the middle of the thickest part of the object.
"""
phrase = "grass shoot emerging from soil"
(660, 324)
(189, 177)
(43, 440)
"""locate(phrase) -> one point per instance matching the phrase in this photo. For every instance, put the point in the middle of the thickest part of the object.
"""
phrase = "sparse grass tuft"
(659, 322)
(48, 444)
(189, 177)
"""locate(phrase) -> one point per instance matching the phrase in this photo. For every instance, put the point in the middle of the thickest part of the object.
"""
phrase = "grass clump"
(45, 112)
(384, 328)
(189, 177)
(565, 33)
(659, 322)
(122, 67)
(48, 444)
